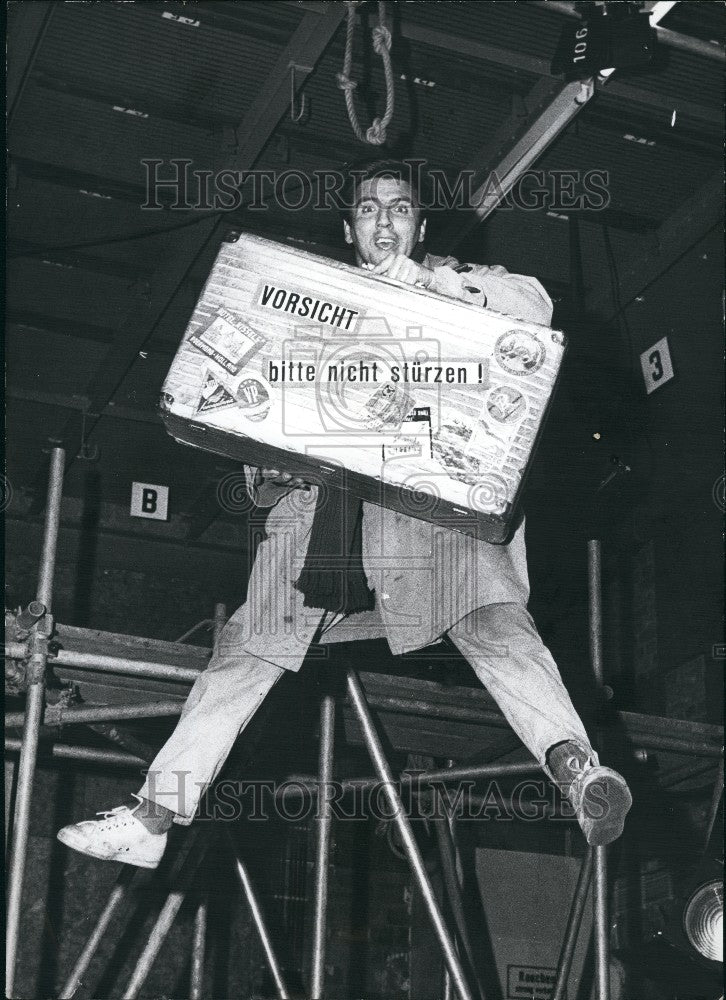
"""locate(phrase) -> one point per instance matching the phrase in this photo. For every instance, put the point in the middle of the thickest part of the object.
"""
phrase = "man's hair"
(411, 172)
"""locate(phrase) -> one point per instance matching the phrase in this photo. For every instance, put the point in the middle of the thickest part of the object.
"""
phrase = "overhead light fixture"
(703, 920)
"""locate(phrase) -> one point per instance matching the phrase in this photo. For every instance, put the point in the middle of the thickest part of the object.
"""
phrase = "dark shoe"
(601, 800)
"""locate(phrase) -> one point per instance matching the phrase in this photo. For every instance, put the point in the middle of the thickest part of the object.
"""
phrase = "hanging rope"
(376, 134)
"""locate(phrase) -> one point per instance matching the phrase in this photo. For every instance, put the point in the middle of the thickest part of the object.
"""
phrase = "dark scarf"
(332, 577)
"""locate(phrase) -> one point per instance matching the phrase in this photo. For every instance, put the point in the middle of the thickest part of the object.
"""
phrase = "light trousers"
(500, 642)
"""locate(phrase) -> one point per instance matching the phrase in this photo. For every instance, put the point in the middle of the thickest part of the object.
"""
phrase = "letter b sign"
(148, 500)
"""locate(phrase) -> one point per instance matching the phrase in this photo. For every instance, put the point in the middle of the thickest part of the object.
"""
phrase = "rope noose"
(376, 134)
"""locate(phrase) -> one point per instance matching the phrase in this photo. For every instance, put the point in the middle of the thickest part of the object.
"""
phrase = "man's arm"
(492, 287)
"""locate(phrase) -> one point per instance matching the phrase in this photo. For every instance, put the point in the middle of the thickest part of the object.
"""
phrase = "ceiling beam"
(83, 404)
(686, 227)
(508, 59)
(671, 39)
(520, 142)
(198, 246)
(542, 67)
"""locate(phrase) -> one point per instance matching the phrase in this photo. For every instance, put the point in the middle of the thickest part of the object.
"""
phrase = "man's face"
(385, 221)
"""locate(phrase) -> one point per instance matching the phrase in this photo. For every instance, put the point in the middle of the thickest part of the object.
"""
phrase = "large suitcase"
(409, 399)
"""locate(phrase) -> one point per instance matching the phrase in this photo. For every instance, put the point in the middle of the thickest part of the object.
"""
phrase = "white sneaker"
(119, 836)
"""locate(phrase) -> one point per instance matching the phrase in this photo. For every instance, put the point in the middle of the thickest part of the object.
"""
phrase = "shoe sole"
(604, 831)
(68, 840)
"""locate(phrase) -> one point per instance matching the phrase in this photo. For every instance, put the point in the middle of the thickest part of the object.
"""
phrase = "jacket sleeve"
(263, 494)
(494, 288)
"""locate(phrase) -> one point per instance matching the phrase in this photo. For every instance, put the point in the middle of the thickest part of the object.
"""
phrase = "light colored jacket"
(425, 577)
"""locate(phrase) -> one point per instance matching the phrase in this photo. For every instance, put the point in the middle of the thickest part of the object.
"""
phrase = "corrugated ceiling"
(115, 83)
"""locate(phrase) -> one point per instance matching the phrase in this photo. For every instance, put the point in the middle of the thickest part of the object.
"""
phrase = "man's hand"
(281, 478)
(404, 269)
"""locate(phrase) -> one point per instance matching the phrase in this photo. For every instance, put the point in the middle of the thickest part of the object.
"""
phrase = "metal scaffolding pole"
(166, 918)
(199, 934)
(324, 822)
(199, 940)
(108, 664)
(91, 755)
(574, 922)
(118, 894)
(443, 828)
(259, 922)
(600, 882)
(38, 648)
(408, 840)
(62, 716)
(474, 771)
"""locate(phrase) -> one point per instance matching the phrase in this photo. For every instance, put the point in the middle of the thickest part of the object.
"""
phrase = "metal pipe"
(33, 714)
(122, 665)
(594, 594)
(452, 886)
(691, 748)
(716, 797)
(163, 671)
(601, 927)
(205, 622)
(308, 784)
(324, 822)
(90, 754)
(574, 922)
(58, 716)
(166, 918)
(672, 39)
(27, 618)
(493, 718)
(259, 922)
(16, 650)
(199, 937)
(118, 894)
(431, 710)
(109, 664)
(447, 993)
(422, 777)
(44, 593)
(122, 738)
(199, 934)
(408, 840)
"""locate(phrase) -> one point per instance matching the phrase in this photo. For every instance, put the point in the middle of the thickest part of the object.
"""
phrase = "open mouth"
(385, 243)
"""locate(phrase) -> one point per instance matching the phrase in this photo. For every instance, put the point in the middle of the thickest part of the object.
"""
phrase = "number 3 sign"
(657, 366)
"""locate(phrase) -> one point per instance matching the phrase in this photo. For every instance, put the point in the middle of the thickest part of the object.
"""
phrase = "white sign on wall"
(148, 500)
(657, 365)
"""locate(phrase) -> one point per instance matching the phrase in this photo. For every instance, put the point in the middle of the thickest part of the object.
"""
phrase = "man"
(408, 580)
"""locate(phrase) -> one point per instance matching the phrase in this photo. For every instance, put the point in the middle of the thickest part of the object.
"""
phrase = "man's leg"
(508, 656)
(221, 703)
